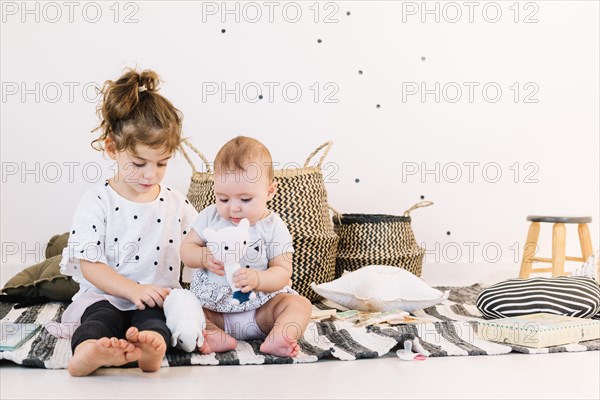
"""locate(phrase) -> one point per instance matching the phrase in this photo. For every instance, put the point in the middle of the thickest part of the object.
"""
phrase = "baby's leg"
(215, 338)
(286, 317)
(104, 352)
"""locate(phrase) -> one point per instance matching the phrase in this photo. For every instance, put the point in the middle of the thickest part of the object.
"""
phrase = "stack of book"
(539, 330)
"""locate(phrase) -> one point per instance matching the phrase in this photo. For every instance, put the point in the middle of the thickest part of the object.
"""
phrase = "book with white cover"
(14, 334)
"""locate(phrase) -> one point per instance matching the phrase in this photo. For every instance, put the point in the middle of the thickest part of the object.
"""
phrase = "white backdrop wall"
(489, 109)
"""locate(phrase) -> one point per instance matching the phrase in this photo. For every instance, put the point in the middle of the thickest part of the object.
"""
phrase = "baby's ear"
(210, 234)
(244, 224)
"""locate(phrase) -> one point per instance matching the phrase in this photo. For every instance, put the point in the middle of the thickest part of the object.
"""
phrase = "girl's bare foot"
(217, 341)
(280, 346)
(152, 345)
(104, 352)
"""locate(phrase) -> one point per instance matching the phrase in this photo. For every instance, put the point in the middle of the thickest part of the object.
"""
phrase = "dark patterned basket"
(301, 202)
(377, 239)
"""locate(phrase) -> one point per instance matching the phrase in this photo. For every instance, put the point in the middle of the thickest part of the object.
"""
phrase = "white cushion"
(380, 288)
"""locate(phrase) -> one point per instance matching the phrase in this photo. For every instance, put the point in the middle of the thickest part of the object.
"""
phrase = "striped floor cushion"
(575, 296)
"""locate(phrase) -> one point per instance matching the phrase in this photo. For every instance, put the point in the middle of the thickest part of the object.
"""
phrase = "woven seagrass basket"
(377, 239)
(301, 202)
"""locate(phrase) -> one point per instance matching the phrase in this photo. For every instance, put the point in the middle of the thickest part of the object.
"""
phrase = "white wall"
(544, 143)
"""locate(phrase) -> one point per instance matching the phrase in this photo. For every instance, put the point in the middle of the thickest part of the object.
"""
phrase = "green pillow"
(56, 244)
(42, 280)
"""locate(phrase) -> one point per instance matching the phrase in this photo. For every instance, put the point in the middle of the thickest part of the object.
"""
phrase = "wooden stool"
(558, 244)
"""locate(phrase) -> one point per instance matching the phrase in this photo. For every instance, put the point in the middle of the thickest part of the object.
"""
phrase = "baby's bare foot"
(152, 345)
(217, 341)
(104, 352)
(280, 346)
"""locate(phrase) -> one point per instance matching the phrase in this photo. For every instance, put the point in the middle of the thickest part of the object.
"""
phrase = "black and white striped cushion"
(575, 296)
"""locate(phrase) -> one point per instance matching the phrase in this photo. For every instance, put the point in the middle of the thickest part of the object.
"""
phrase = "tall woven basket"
(377, 239)
(301, 202)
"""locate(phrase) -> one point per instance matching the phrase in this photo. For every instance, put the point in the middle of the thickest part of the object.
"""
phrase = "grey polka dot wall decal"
(260, 96)
(448, 233)
(319, 41)
(360, 72)
(223, 30)
(378, 106)
(357, 180)
(422, 58)
(137, 257)
(422, 197)
(348, 13)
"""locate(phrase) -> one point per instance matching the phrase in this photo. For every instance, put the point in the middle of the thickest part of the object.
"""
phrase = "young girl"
(126, 233)
(243, 184)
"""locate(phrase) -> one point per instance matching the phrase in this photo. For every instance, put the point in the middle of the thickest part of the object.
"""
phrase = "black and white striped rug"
(450, 331)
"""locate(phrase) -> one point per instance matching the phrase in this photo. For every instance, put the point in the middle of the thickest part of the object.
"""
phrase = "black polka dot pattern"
(118, 229)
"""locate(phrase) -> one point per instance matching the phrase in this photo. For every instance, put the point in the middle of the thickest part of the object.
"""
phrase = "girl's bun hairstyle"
(132, 112)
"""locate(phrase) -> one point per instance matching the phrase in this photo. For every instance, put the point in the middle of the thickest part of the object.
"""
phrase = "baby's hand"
(246, 279)
(148, 295)
(212, 264)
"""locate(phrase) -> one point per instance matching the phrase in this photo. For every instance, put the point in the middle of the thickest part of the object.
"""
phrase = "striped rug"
(450, 331)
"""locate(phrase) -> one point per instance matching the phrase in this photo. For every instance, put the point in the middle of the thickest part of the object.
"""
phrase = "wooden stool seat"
(564, 220)
(558, 244)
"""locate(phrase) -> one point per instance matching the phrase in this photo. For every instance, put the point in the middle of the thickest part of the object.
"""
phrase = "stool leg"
(529, 249)
(585, 241)
(558, 249)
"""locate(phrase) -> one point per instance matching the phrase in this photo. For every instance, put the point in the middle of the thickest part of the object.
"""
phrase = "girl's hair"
(132, 113)
(240, 153)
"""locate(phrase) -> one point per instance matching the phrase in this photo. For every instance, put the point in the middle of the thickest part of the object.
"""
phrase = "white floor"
(547, 376)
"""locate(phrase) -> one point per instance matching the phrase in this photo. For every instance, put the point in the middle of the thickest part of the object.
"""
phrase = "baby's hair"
(132, 113)
(240, 152)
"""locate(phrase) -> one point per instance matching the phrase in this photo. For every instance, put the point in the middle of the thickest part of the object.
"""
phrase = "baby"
(243, 185)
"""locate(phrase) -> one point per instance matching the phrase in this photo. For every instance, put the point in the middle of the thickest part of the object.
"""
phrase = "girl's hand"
(148, 295)
(210, 263)
(246, 279)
